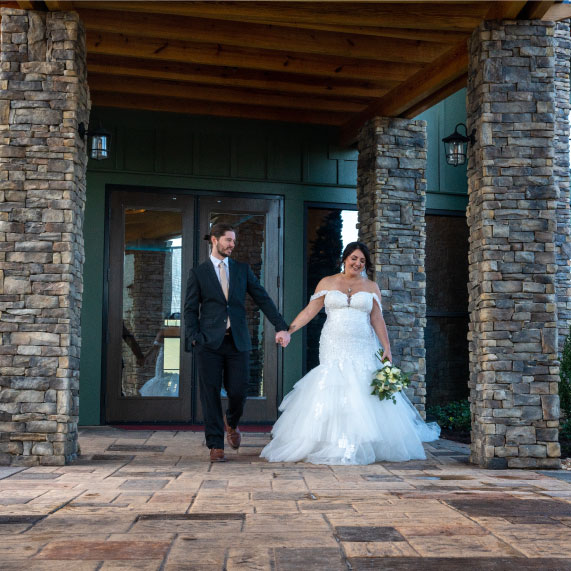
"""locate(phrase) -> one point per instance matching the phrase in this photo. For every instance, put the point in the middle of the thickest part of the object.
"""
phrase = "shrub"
(565, 430)
(565, 376)
(452, 416)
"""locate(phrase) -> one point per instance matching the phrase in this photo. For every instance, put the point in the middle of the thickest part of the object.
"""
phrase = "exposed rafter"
(222, 55)
(336, 63)
(411, 93)
(263, 36)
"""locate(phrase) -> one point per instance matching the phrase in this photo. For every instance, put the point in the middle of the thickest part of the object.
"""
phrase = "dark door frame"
(110, 189)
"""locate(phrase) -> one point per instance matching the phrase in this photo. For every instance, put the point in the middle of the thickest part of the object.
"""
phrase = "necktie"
(224, 284)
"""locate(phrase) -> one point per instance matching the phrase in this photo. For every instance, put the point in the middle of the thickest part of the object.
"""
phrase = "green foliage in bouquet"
(565, 377)
(388, 380)
(451, 416)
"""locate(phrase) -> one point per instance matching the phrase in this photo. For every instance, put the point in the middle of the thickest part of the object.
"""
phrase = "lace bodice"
(348, 333)
(338, 299)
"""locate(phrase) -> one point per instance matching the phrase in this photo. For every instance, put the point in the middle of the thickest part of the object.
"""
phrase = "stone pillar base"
(44, 97)
(512, 216)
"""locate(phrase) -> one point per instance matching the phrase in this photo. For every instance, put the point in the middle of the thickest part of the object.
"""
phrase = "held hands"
(283, 338)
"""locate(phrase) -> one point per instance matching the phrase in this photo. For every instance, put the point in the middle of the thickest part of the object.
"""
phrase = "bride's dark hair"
(351, 247)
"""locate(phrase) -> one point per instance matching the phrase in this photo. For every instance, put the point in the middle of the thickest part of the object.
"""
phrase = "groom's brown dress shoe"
(217, 455)
(233, 435)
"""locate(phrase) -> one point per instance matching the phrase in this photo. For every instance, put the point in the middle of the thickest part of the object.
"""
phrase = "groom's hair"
(218, 230)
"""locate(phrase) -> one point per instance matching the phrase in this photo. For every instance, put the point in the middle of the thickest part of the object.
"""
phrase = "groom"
(217, 330)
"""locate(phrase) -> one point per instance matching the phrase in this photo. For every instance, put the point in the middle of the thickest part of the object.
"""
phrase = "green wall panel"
(175, 151)
(319, 168)
(213, 150)
(296, 162)
(140, 154)
(251, 157)
(285, 159)
(92, 307)
(441, 120)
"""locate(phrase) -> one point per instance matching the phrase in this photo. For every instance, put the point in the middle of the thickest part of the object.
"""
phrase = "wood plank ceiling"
(331, 63)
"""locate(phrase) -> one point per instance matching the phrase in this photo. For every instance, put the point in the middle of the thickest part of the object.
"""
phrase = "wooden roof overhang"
(329, 63)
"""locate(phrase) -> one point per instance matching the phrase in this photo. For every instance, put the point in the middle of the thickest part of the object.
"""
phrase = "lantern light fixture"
(99, 141)
(456, 144)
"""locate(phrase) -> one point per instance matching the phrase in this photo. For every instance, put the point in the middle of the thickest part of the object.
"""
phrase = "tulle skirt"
(330, 417)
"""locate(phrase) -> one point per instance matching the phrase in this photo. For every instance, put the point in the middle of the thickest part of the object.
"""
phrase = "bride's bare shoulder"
(372, 287)
(328, 282)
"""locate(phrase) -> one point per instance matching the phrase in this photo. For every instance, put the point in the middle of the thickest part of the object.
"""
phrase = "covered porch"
(363, 72)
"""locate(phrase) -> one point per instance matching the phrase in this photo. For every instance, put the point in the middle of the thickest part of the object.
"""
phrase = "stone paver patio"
(149, 500)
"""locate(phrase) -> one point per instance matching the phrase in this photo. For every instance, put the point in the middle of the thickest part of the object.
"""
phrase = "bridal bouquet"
(388, 380)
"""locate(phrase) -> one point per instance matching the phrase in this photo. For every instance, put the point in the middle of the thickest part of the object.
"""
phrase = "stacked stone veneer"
(513, 210)
(391, 196)
(43, 97)
(561, 146)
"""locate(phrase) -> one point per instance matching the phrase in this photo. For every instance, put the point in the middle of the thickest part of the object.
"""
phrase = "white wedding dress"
(330, 416)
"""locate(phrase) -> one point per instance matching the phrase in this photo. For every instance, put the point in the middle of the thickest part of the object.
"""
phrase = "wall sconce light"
(99, 148)
(456, 144)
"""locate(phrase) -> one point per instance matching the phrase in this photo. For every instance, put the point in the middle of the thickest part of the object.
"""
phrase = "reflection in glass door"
(152, 277)
(146, 286)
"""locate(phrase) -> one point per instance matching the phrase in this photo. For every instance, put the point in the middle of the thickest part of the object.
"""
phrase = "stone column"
(512, 216)
(391, 197)
(43, 97)
(561, 143)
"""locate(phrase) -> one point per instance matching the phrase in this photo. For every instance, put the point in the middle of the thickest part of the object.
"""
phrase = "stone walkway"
(149, 500)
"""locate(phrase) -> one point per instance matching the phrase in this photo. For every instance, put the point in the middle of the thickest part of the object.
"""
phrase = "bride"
(330, 416)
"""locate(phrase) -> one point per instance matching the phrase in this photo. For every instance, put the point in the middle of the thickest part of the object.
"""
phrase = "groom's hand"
(283, 338)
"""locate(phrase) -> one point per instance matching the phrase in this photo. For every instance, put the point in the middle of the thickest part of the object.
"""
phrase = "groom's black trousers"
(224, 366)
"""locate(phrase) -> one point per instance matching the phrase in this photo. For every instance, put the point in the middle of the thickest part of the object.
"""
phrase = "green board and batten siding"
(300, 163)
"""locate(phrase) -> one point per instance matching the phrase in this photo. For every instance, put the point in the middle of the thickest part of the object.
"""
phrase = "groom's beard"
(224, 252)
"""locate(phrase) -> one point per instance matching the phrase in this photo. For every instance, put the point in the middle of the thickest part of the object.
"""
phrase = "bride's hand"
(387, 356)
(283, 338)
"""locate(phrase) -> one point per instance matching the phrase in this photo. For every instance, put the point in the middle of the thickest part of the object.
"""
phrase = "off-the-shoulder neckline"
(326, 291)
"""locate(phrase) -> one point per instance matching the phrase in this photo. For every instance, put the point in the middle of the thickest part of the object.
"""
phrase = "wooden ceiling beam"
(32, 5)
(412, 92)
(261, 36)
(427, 35)
(455, 16)
(505, 10)
(235, 77)
(557, 12)
(437, 96)
(190, 107)
(169, 89)
(220, 55)
(58, 5)
(535, 10)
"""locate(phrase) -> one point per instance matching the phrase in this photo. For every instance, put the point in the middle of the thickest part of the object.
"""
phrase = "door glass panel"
(152, 271)
(250, 248)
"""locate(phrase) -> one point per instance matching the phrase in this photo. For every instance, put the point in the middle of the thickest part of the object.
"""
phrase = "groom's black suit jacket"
(206, 308)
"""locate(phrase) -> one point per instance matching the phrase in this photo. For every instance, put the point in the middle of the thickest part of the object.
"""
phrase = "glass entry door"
(150, 251)
(150, 378)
